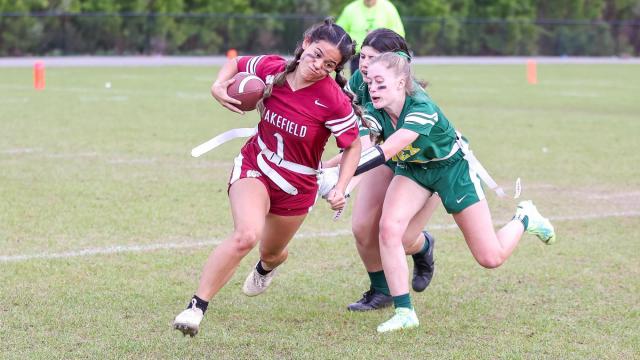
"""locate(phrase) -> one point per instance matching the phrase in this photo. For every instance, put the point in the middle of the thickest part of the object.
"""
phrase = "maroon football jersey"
(297, 124)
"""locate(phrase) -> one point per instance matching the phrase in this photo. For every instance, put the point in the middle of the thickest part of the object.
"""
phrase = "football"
(248, 89)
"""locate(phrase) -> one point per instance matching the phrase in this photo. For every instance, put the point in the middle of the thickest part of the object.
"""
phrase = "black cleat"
(423, 266)
(371, 300)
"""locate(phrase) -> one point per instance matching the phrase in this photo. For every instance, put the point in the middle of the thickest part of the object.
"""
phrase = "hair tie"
(403, 54)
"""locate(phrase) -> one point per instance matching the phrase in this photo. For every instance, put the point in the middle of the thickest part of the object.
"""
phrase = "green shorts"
(458, 186)
(391, 165)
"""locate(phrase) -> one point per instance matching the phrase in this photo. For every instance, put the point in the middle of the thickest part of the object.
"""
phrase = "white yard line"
(186, 245)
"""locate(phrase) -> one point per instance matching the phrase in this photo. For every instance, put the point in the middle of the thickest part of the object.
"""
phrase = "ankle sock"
(524, 220)
(261, 269)
(379, 282)
(403, 300)
(425, 247)
(200, 304)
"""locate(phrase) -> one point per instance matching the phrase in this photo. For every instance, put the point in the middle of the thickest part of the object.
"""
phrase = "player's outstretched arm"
(348, 164)
(377, 155)
(397, 141)
(335, 161)
(224, 79)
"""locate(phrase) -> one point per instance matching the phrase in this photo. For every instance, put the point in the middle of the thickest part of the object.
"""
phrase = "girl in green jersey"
(431, 157)
(367, 207)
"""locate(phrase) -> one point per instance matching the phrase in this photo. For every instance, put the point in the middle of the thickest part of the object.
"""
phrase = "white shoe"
(188, 321)
(403, 319)
(538, 225)
(256, 284)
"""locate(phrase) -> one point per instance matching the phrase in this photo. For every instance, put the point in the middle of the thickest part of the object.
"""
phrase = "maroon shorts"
(245, 165)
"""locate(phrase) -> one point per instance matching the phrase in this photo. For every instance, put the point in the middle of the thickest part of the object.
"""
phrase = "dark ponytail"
(386, 40)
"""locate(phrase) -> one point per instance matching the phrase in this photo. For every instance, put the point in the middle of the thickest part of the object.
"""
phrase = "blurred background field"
(433, 27)
(87, 168)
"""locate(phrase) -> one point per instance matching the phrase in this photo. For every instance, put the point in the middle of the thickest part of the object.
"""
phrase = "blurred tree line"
(207, 27)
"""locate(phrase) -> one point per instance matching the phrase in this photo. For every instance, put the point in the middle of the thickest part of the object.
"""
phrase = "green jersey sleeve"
(421, 118)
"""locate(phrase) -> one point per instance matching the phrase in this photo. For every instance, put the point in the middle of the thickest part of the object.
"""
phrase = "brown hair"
(332, 33)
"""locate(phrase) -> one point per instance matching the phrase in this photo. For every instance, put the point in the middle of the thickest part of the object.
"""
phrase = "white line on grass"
(19, 151)
(165, 246)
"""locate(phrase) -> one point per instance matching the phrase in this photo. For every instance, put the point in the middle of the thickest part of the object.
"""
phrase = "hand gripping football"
(248, 89)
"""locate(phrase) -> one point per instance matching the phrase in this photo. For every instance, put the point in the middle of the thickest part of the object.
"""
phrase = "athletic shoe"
(404, 318)
(371, 300)
(538, 225)
(188, 321)
(423, 266)
(256, 284)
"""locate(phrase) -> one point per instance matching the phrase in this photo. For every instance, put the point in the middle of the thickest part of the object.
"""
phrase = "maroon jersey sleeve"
(343, 122)
(262, 66)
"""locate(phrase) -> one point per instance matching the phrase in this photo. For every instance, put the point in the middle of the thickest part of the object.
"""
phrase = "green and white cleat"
(404, 318)
(538, 225)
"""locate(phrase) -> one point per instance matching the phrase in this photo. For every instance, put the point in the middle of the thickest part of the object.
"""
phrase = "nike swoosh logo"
(458, 201)
(317, 102)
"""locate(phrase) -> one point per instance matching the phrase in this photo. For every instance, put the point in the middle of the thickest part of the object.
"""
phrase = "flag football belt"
(474, 164)
(221, 139)
(280, 162)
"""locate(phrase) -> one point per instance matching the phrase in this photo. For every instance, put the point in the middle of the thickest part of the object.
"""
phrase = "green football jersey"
(360, 89)
(421, 115)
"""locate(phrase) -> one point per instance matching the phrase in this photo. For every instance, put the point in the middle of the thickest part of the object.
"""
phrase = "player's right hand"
(336, 199)
(219, 92)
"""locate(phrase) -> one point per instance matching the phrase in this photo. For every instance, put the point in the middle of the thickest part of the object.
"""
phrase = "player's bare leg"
(249, 207)
(276, 235)
(403, 201)
(491, 249)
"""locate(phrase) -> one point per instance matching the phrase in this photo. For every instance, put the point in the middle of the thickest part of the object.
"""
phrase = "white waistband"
(289, 165)
(275, 177)
(279, 161)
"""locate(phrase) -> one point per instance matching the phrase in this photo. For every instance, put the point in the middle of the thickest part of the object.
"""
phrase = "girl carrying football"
(273, 183)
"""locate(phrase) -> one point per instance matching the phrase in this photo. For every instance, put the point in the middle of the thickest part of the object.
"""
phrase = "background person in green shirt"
(363, 16)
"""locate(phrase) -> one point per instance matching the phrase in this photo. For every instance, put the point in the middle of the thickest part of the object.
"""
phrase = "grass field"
(106, 221)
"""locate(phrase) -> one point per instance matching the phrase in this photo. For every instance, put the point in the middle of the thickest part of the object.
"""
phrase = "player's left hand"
(336, 199)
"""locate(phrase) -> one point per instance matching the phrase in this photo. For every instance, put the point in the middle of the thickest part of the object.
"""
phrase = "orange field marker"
(38, 75)
(232, 53)
(532, 71)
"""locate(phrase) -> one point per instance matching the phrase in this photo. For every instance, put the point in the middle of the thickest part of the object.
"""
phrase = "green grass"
(83, 166)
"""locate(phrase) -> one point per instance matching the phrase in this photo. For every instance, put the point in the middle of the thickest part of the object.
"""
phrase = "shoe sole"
(552, 238)
(244, 291)
(186, 329)
(420, 289)
(412, 326)
(371, 309)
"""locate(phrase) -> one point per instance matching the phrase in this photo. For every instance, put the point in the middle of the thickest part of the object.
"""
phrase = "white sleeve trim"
(331, 122)
(418, 120)
(253, 64)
